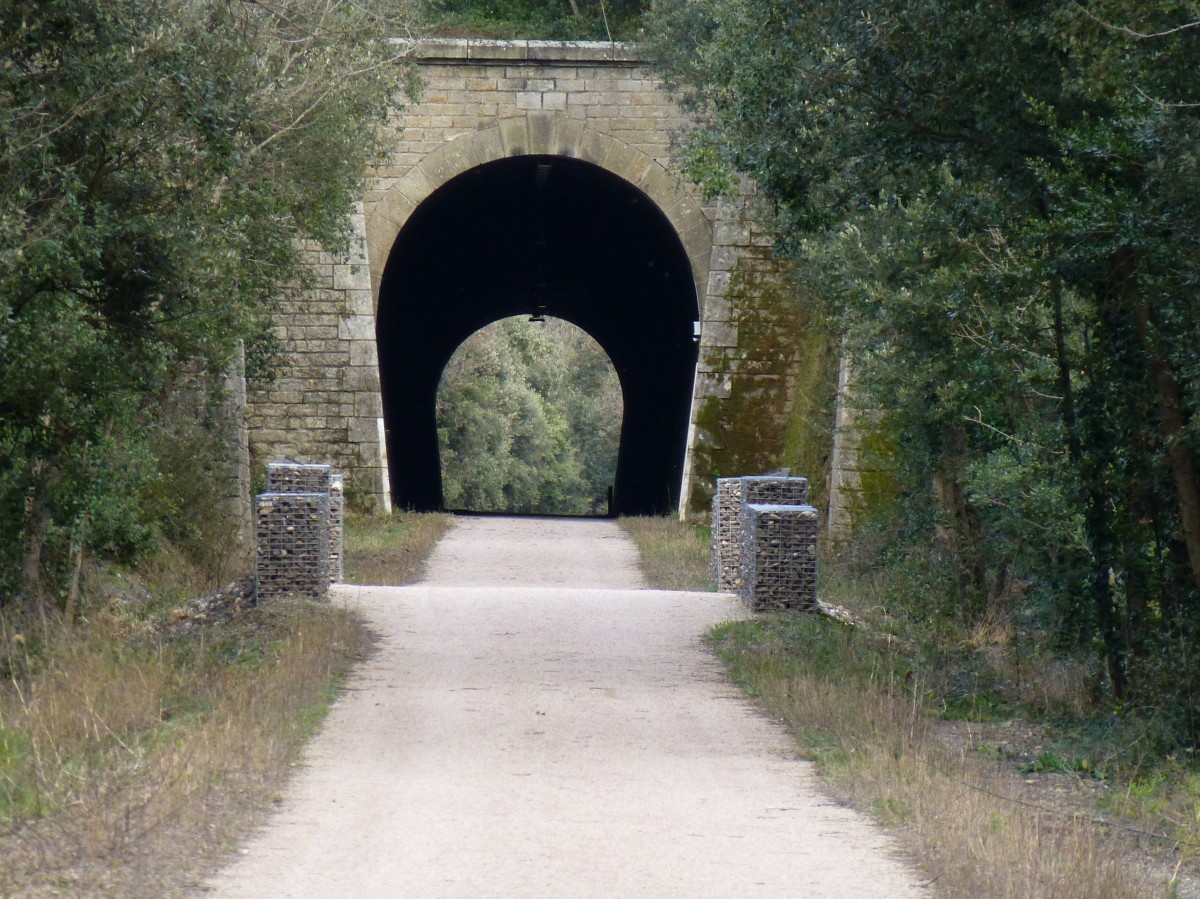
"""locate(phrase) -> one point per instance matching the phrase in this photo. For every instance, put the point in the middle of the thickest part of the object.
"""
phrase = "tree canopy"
(998, 204)
(529, 420)
(160, 163)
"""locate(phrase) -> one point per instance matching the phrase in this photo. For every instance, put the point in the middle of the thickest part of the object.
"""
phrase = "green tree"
(160, 162)
(529, 416)
(998, 203)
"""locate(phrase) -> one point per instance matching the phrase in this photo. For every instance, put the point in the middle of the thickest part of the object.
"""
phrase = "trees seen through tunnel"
(529, 420)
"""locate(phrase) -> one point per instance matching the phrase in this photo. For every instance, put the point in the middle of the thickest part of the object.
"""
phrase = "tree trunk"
(1098, 530)
(960, 539)
(77, 544)
(1179, 455)
(36, 520)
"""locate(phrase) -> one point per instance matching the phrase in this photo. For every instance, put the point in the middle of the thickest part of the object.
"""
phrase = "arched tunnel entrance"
(545, 235)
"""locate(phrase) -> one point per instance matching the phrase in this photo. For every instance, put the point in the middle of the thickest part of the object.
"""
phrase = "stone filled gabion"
(731, 494)
(296, 477)
(778, 555)
(292, 531)
(769, 490)
(337, 528)
(726, 503)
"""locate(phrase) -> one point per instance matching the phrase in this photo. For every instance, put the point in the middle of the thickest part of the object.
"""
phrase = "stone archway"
(533, 134)
(487, 101)
(550, 234)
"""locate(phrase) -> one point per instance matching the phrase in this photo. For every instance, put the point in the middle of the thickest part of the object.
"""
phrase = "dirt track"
(534, 725)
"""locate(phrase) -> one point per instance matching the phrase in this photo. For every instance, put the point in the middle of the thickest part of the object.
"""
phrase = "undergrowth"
(865, 703)
(518, 19)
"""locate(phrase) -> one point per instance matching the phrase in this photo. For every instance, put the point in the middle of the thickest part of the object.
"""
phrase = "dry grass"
(674, 555)
(391, 549)
(131, 761)
(863, 719)
(138, 746)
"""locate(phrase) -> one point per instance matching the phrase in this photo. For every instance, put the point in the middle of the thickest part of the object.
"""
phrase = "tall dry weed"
(673, 554)
(866, 724)
(391, 549)
(133, 760)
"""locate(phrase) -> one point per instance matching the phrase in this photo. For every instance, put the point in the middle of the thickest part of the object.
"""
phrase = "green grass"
(674, 555)
(859, 706)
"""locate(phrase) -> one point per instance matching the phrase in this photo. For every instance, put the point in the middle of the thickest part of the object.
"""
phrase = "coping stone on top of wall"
(487, 50)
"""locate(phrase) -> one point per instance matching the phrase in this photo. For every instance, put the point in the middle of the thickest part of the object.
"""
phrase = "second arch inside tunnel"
(551, 236)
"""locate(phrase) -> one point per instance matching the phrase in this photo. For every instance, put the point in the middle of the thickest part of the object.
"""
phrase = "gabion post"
(778, 556)
(292, 540)
(727, 501)
(337, 528)
(298, 477)
(731, 495)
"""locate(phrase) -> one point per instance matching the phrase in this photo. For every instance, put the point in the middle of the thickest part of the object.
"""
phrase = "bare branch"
(1129, 32)
(1162, 104)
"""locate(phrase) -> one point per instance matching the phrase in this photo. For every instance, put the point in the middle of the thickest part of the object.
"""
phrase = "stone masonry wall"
(324, 405)
(486, 100)
(752, 344)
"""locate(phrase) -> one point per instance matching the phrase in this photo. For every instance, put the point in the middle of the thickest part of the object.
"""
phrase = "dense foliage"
(535, 19)
(160, 161)
(529, 418)
(999, 201)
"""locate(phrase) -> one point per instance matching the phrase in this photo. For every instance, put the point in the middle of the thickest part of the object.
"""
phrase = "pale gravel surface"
(543, 728)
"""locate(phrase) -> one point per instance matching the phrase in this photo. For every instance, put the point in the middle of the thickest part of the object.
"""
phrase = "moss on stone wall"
(808, 437)
(876, 474)
(782, 379)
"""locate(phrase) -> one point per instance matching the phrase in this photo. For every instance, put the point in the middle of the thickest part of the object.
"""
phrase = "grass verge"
(391, 549)
(141, 744)
(131, 759)
(989, 804)
(860, 711)
(674, 555)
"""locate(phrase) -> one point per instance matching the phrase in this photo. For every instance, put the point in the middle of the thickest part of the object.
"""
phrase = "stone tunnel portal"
(560, 237)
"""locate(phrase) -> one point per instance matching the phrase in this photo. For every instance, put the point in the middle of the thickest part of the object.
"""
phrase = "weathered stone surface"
(485, 100)
(329, 367)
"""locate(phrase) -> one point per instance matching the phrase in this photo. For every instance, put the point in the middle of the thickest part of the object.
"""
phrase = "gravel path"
(567, 737)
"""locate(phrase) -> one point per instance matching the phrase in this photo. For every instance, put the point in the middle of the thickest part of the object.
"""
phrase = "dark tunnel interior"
(550, 235)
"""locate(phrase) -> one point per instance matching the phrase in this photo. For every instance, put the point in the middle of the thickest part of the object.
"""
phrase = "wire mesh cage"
(731, 494)
(778, 556)
(296, 477)
(337, 528)
(292, 545)
(727, 502)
